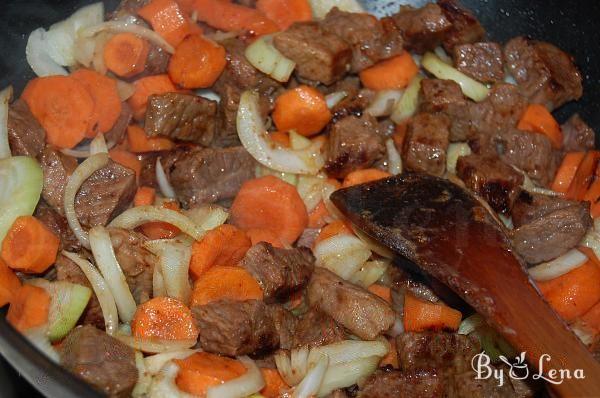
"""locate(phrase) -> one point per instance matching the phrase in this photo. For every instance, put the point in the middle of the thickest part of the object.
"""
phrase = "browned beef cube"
(315, 329)
(57, 169)
(465, 27)
(58, 225)
(106, 194)
(436, 95)
(530, 206)
(320, 56)
(183, 117)
(426, 143)
(424, 28)
(482, 61)
(279, 272)
(238, 71)
(25, 135)
(157, 62)
(546, 74)
(285, 325)
(118, 130)
(201, 176)
(236, 327)
(354, 143)
(353, 105)
(101, 360)
(577, 135)
(358, 310)
(422, 383)
(490, 178)
(371, 40)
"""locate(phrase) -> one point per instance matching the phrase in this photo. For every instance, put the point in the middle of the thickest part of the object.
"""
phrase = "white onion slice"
(84, 151)
(155, 346)
(81, 173)
(5, 96)
(158, 283)
(125, 90)
(163, 182)
(144, 380)
(208, 94)
(328, 189)
(253, 136)
(394, 158)
(139, 215)
(455, 151)
(101, 290)
(241, 387)
(559, 266)
(37, 55)
(292, 367)
(408, 103)
(384, 102)
(154, 363)
(263, 55)
(108, 265)
(342, 254)
(320, 8)
(529, 186)
(310, 385)
(174, 261)
(207, 217)
(335, 98)
(98, 145)
(128, 25)
(39, 338)
(310, 189)
(369, 273)
(347, 374)
(373, 245)
(164, 386)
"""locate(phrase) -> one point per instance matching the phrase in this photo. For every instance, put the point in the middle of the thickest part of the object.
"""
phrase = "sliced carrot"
(258, 235)
(224, 245)
(125, 54)
(29, 308)
(29, 246)
(144, 88)
(272, 204)
(285, 12)
(225, 282)
(197, 62)
(63, 106)
(591, 318)
(164, 318)
(363, 176)
(584, 176)
(393, 73)
(537, 119)
(160, 229)
(421, 315)
(318, 217)
(382, 291)
(139, 142)
(275, 386)
(231, 17)
(391, 358)
(186, 6)
(280, 137)
(144, 196)
(574, 293)
(337, 227)
(303, 109)
(126, 159)
(593, 196)
(9, 284)
(202, 370)
(167, 20)
(566, 171)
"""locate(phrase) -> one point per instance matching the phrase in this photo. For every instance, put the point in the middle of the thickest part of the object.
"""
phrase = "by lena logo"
(519, 370)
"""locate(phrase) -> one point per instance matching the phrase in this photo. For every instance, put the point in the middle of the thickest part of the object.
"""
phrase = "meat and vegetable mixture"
(165, 218)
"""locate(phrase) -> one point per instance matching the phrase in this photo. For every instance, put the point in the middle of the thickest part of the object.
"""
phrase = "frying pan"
(572, 26)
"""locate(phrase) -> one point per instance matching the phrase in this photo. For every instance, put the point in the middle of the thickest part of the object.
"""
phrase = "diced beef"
(353, 105)
(58, 225)
(320, 56)
(315, 329)
(465, 27)
(285, 325)
(422, 383)
(238, 71)
(308, 238)
(157, 62)
(67, 270)
(279, 272)
(118, 130)
(371, 40)
(354, 143)
(358, 310)
(426, 143)
(491, 178)
(57, 169)
(101, 360)
(26, 136)
(108, 192)
(236, 327)
(482, 61)
(136, 262)
(546, 74)
(577, 135)
(183, 117)
(424, 28)
(436, 95)
(548, 227)
(201, 176)
(349, 84)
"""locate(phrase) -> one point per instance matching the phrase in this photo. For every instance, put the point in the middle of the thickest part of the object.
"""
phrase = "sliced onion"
(5, 96)
(263, 55)
(108, 265)
(158, 283)
(129, 25)
(349, 351)
(470, 87)
(39, 338)
(144, 380)
(208, 94)
(84, 151)
(442, 55)
(98, 145)
(328, 189)
(310, 189)
(247, 384)
(253, 136)
(529, 186)
(294, 366)
(335, 98)
(342, 254)
(298, 141)
(207, 217)
(98, 59)
(262, 171)
(394, 158)
(320, 8)
(84, 50)
(81, 173)
(384, 102)
(163, 182)
(507, 221)
(455, 151)
(408, 103)
(155, 346)
(101, 290)
(310, 385)
(347, 374)
(125, 90)
(37, 55)
(164, 386)
(154, 363)
(470, 324)
(559, 266)
(369, 273)
(136, 216)
(592, 239)
(174, 261)
(372, 244)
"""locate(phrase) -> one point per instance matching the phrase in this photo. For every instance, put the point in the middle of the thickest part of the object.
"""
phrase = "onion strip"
(155, 346)
(311, 383)
(84, 151)
(335, 98)
(559, 266)
(247, 384)
(163, 183)
(394, 158)
(154, 363)
(5, 96)
(174, 259)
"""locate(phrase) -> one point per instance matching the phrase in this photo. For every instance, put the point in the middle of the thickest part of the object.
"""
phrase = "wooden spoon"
(451, 236)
